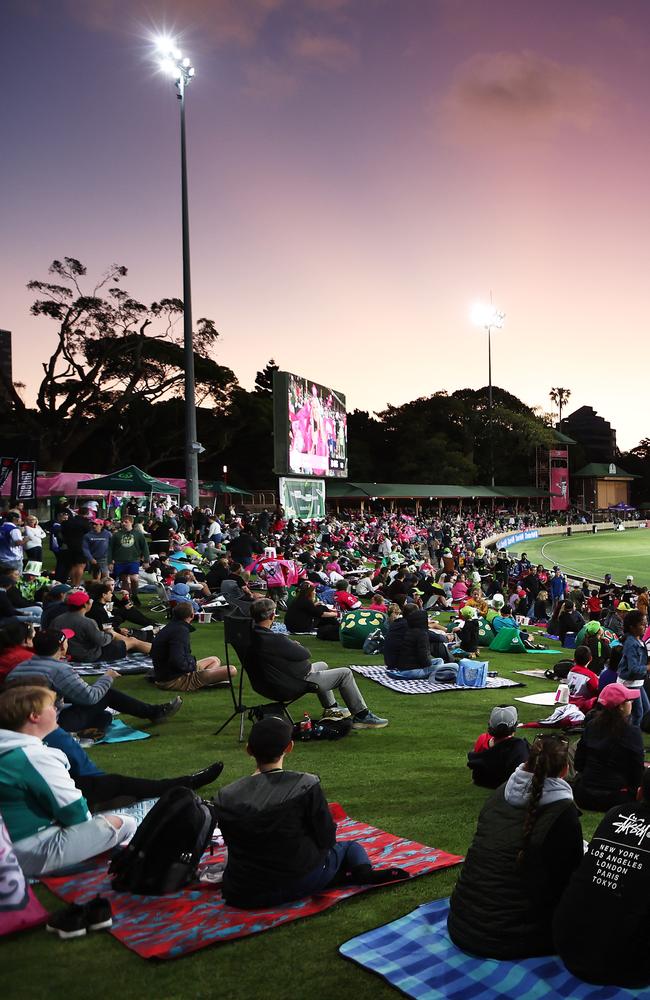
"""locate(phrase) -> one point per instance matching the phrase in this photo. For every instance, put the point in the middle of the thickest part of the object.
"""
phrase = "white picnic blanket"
(543, 698)
(378, 674)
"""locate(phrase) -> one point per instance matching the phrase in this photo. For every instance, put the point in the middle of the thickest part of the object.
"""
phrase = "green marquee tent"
(219, 486)
(128, 480)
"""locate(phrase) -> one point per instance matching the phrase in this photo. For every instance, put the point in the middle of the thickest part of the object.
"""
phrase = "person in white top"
(34, 536)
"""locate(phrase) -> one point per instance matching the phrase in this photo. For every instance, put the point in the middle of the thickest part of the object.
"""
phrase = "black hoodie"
(415, 650)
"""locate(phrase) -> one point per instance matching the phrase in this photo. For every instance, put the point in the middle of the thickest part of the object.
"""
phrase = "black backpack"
(167, 846)
(559, 671)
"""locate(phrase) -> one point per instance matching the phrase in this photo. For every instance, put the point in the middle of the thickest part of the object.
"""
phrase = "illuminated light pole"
(174, 64)
(488, 316)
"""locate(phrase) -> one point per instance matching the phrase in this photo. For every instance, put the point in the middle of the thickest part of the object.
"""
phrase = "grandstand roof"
(413, 491)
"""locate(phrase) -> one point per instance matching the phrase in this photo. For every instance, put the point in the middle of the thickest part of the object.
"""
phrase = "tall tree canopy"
(110, 351)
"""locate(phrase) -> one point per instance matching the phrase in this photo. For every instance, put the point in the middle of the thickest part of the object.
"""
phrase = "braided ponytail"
(548, 757)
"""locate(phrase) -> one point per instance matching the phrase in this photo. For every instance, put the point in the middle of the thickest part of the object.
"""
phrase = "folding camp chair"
(238, 634)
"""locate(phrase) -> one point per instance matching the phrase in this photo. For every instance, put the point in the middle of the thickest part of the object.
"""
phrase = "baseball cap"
(66, 633)
(503, 718)
(615, 694)
(592, 628)
(270, 737)
(77, 598)
(60, 588)
(467, 612)
(624, 606)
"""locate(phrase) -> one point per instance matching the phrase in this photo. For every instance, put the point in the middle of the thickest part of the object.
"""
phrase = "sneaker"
(368, 721)
(335, 714)
(68, 923)
(165, 712)
(99, 916)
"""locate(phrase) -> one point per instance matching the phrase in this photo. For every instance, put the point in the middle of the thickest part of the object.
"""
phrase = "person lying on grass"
(46, 814)
(527, 843)
(497, 752)
(279, 832)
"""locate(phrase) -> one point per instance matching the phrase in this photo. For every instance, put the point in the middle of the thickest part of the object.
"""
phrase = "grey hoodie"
(517, 790)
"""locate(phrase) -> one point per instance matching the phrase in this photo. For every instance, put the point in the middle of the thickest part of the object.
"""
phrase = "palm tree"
(560, 397)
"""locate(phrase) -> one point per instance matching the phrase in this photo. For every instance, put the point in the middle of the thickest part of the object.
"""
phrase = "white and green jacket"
(36, 790)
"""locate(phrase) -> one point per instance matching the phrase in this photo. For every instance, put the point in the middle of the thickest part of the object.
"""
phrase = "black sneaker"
(99, 916)
(206, 776)
(68, 923)
(165, 712)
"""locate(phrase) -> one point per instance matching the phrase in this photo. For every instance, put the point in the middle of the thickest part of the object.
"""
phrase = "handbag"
(472, 674)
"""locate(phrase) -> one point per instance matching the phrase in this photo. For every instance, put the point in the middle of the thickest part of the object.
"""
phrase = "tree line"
(111, 394)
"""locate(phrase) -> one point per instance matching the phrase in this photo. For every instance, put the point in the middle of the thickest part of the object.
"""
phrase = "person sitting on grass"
(597, 645)
(568, 620)
(86, 704)
(582, 681)
(283, 656)
(609, 673)
(609, 893)
(305, 614)
(54, 603)
(467, 632)
(175, 667)
(15, 645)
(91, 643)
(46, 815)
(114, 791)
(280, 834)
(497, 753)
(633, 665)
(414, 659)
(343, 599)
(527, 843)
(609, 757)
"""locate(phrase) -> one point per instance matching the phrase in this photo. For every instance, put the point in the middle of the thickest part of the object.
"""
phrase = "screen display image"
(303, 499)
(318, 436)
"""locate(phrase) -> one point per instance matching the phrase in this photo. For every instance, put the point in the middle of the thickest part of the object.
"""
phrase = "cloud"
(327, 52)
(221, 22)
(266, 81)
(519, 92)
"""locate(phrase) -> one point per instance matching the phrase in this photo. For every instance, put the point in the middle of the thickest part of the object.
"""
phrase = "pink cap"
(77, 598)
(67, 632)
(615, 694)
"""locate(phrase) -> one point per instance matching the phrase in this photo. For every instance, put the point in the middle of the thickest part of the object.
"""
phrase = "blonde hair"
(19, 702)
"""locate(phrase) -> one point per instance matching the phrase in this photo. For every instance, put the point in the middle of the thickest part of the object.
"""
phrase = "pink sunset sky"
(361, 171)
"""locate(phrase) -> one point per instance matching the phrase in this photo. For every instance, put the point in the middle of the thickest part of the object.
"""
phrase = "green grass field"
(410, 778)
(615, 552)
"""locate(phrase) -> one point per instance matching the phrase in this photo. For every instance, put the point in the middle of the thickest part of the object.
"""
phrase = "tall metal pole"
(191, 456)
(491, 436)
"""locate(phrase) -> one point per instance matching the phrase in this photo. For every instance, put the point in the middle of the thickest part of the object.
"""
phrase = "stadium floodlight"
(179, 67)
(486, 314)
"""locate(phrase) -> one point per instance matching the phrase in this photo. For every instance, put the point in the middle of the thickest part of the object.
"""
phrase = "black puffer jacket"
(415, 650)
(500, 909)
(393, 642)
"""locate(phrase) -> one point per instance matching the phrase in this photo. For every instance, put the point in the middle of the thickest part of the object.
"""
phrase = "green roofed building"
(600, 485)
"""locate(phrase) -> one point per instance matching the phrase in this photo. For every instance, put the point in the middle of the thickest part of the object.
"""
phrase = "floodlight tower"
(180, 69)
(489, 317)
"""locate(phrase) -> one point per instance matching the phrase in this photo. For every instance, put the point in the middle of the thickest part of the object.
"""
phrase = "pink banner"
(559, 479)
(65, 484)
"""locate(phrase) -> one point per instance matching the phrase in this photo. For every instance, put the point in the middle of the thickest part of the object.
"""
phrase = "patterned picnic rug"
(378, 674)
(182, 922)
(137, 663)
(415, 955)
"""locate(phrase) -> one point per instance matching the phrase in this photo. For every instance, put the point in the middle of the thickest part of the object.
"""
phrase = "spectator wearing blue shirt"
(95, 548)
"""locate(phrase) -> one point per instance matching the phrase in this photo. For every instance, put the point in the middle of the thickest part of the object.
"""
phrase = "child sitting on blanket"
(467, 632)
(279, 832)
(497, 753)
(583, 682)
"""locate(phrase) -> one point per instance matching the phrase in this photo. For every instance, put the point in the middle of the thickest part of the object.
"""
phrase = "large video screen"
(310, 428)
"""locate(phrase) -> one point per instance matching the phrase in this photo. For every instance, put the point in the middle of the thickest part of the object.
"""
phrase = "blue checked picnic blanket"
(137, 663)
(379, 674)
(415, 955)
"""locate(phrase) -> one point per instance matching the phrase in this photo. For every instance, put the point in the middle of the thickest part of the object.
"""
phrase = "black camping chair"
(238, 634)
